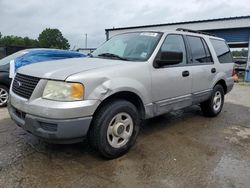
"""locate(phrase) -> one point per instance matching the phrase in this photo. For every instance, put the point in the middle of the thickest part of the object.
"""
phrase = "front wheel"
(4, 95)
(114, 128)
(213, 106)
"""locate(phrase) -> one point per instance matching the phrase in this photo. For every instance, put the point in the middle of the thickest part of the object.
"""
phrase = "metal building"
(235, 30)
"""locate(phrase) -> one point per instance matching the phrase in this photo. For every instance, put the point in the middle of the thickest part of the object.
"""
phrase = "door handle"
(213, 70)
(185, 73)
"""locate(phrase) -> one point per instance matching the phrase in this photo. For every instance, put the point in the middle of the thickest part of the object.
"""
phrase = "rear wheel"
(114, 128)
(213, 106)
(4, 95)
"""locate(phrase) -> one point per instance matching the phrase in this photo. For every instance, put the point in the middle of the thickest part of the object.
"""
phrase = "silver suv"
(132, 77)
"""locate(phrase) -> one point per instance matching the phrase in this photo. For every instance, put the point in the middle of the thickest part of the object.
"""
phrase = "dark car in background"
(240, 67)
(10, 64)
(240, 63)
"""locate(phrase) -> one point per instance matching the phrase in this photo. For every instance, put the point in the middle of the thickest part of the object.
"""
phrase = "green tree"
(18, 41)
(241, 53)
(53, 38)
(30, 42)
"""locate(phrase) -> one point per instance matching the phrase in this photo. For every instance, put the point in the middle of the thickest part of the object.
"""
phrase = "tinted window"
(222, 51)
(198, 50)
(175, 43)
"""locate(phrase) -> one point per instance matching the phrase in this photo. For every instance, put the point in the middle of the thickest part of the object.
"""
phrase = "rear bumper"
(52, 130)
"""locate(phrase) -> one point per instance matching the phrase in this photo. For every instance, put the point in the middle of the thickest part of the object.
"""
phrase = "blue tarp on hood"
(44, 55)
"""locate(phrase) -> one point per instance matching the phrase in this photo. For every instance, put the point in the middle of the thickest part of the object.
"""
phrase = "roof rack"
(194, 31)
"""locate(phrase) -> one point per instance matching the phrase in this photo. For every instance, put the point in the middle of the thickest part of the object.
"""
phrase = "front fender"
(110, 87)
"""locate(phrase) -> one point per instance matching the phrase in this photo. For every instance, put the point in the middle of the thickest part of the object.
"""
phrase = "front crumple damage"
(106, 87)
(102, 91)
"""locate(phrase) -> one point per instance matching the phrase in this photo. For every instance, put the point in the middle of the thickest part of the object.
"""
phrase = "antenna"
(86, 40)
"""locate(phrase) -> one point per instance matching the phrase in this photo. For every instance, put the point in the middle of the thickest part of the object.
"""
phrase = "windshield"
(136, 46)
(7, 59)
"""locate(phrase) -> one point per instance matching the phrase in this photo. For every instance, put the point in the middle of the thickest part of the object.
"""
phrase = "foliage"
(49, 38)
(18, 41)
(53, 38)
(241, 53)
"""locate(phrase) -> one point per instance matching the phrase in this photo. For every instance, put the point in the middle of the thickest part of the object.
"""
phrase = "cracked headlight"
(63, 91)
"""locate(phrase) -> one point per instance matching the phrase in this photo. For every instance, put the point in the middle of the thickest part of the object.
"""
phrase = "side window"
(175, 43)
(222, 51)
(198, 49)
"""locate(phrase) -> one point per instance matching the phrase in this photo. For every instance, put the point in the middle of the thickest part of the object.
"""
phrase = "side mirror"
(169, 58)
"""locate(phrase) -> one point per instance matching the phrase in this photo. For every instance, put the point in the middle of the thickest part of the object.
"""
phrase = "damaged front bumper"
(56, 122)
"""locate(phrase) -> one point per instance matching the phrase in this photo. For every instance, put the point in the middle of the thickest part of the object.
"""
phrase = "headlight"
(63, 91)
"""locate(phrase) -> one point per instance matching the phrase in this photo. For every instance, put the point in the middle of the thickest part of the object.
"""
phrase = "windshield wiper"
(112, 56)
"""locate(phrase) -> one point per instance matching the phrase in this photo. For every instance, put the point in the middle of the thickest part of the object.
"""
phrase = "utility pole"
(248, 63)
(86, 40)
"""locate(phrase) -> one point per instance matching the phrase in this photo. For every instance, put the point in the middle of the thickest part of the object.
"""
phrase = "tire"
(113, 121)
(213, 106)
(4, 96)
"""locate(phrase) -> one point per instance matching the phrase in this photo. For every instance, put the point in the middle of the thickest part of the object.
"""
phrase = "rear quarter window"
(222, 51)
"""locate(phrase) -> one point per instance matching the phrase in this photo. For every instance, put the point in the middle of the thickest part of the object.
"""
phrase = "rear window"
(222, 51)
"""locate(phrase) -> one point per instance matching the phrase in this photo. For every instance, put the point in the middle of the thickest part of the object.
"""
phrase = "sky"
(76, 17)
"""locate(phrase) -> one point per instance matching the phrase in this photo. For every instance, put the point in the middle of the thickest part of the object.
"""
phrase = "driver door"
(171, 84)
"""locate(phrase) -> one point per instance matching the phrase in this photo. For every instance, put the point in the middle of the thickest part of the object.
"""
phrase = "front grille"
(24, 85)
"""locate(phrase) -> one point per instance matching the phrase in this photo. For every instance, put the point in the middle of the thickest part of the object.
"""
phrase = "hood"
(61, 69)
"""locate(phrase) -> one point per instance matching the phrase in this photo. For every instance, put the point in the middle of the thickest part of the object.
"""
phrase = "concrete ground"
(180, 149)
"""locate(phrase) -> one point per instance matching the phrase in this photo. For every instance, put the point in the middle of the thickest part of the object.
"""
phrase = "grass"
(244, 83)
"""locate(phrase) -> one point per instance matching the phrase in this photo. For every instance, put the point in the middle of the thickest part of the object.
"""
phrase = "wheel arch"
(128, 96)
(223, 84)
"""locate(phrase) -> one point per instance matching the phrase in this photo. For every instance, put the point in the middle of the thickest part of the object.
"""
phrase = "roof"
(186, 22)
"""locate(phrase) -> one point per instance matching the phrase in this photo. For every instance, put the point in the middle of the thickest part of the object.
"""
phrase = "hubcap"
(3, 96)
(217, 101)
(120, 130)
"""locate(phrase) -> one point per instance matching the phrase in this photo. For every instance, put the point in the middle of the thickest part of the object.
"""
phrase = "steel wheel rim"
(120, 130)
(3, 96)
(217, 101)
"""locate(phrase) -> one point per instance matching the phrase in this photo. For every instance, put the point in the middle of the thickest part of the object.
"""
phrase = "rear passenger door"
(202, 68)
